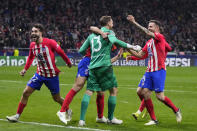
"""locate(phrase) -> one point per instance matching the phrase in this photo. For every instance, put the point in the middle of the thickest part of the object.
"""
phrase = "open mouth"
(34, 37)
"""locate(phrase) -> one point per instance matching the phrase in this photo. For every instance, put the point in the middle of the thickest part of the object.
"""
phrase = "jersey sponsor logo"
(41, 58)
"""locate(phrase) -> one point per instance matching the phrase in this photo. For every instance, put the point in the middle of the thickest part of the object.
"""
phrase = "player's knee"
(100, 93)
(146, 95)
(114, 91)
(26, 93)
(78, 86)
(57, 99)
(139, 91)
(160, 98)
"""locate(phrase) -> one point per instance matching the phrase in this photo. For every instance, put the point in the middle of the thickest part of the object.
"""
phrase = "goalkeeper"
(101, 76)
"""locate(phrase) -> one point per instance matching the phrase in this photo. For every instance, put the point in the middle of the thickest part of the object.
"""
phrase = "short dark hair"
(104, 20)
(39, 26)
(158, 23)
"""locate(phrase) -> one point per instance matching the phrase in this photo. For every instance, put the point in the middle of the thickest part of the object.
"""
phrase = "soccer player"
(44, 50)
(156, 71)
(139, 89)
(101, 76)
(65, 113)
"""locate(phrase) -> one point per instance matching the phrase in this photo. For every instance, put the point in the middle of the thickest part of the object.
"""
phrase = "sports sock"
(111, 106)
(150, 108)
(84, 106)
(68, 100)
(21, 107)
(169, 103)
(100, 105)
(142, 105)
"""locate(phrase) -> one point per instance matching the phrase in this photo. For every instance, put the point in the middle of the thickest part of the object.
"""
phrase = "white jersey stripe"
(49, 60)
(155, 56)
(152, 68)
(151, 63)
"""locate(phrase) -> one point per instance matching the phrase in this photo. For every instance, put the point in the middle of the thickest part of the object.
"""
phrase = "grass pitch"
(181, 88)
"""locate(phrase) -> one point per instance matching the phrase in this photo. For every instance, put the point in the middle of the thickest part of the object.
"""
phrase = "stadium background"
(68, 22)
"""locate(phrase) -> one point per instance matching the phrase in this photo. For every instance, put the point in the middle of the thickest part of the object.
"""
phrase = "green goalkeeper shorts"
(101, 79)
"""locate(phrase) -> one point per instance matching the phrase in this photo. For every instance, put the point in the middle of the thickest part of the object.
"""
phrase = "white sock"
(17, 115)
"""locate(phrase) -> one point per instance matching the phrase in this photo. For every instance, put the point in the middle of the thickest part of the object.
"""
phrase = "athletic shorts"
(52, 83)
(83, 67)
(155, 81)
(101, 79)
(141, 84)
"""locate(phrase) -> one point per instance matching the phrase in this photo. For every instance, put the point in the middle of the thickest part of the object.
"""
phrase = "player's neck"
(107, 27)
(40, 40)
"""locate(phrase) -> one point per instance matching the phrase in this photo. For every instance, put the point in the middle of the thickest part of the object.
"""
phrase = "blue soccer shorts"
(83, 67)
(52, 83)
(155, 81)
(141, 84)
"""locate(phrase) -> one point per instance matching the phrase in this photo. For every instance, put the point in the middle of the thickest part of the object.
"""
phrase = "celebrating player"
(101, 76)
(47, 72)
(156, 71)
(140, 89)
(65, 113)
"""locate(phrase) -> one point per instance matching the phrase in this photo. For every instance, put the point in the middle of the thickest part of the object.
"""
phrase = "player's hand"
(130, 18)
(69, 65)
(22, 73)
(137, 48)
(104, 35)
(120, 52)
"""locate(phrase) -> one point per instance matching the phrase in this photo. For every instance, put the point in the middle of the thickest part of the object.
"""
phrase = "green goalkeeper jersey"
(100, 48)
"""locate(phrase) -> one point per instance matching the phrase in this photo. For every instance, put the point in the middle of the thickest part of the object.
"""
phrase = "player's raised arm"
(84, 47)
(139, 54)
(132, 20)
(136, 58)
(112, 38)
(98, 31)
(115, 58)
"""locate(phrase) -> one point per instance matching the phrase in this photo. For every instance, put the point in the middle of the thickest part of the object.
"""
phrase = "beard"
(151, 30)
(34, 38)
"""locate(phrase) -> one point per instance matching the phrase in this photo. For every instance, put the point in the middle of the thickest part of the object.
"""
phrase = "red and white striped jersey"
(156, 53)
(45, 57)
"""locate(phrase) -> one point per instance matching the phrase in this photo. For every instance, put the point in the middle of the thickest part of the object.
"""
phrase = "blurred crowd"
(68, 21)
